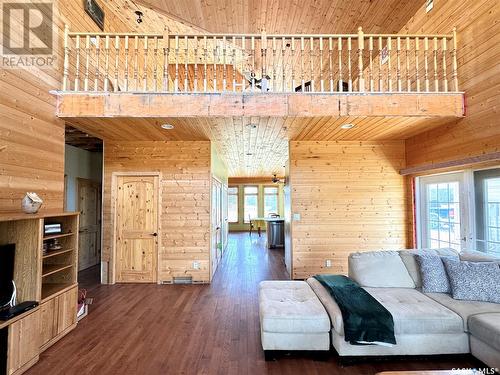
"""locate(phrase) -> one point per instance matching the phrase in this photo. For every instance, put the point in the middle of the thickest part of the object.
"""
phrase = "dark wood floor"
(193, 329)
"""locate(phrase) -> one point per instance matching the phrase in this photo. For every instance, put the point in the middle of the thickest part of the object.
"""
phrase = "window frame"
(237, 194)
(277, 195)
(245, 219)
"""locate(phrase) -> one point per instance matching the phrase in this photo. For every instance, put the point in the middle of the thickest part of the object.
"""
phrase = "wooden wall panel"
(479, 76)
(185, 201)
(350, 197)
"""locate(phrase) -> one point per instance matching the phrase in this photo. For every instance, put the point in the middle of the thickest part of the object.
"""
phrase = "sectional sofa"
(424, 323)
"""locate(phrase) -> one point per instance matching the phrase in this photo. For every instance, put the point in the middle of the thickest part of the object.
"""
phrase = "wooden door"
(136, 228)
(89, 205)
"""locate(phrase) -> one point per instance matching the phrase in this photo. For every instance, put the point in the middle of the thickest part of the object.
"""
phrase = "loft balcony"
(166, 75)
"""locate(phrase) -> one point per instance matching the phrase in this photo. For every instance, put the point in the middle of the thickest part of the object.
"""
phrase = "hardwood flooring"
(194, 329)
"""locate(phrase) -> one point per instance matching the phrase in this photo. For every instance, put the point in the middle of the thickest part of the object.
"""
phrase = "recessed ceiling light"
(252, 126)
(167, 126)
(347, 126)
(249, 154)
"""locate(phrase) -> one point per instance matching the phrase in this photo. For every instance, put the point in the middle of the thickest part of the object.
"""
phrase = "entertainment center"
(44, 271)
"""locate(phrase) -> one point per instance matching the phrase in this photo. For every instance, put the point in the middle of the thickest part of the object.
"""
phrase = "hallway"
(192, 329)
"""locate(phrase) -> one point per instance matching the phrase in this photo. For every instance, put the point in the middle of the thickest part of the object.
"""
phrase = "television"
(7, 286)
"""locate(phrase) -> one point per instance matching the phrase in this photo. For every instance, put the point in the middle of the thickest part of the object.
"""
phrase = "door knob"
(154, 234)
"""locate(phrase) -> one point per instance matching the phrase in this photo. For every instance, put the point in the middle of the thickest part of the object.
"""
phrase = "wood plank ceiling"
(259, 146)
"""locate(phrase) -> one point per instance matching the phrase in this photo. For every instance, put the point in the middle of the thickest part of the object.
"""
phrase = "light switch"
(296, 217)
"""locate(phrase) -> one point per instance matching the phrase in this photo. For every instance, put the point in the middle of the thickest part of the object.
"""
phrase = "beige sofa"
(424, 324)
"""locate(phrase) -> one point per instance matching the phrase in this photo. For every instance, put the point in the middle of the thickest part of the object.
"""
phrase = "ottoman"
(485, 338)
(291, 318)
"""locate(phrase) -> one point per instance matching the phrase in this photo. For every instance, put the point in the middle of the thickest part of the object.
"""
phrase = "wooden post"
(77, 71)
(361, 47)
(454, 56)
(263, 40)
(66, 59)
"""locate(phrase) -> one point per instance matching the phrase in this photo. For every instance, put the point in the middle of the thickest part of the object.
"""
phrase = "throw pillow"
(433, 274)
(474, 281)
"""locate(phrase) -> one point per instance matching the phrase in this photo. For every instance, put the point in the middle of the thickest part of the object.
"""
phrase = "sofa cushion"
(465, 309)
(291, 307)
(432, 273)
(415, 313)
(408, 258)
(477, 256)
(474, 281)
(412, 311)
(379, 269)
(486, 327)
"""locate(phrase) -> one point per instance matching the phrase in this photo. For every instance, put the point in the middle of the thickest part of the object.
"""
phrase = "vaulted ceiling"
(259, 146)
(289, 16)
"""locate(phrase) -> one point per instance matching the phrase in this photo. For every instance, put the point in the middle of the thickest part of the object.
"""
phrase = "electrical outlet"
(328, 263)
(196, 265)
(296, 217)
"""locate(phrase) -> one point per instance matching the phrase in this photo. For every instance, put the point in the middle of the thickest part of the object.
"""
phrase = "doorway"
(136, 229)
(89, 205)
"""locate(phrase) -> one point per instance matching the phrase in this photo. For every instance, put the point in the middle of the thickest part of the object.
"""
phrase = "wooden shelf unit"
(50, 279)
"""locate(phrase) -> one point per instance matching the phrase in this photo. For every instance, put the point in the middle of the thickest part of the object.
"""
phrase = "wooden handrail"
(167, 62)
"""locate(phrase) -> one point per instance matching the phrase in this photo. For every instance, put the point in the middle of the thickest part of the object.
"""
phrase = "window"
(487, 204)
(251, 203)
(232, 204)
(440, 211)
(270, 200)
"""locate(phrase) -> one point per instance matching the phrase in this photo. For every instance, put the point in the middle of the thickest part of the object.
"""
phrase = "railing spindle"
(311, 62)
(66, 59)
(234, 63)
(126, 62)
(77, 71)
(330, 62)
(106, 64)
(215, 64)
(243, 47)
(426, 64)
(302, 80)
(361, 47)
(321, 83)
(224, 62)
(339, 47)
(445, 76)
(155, 62)
(87, 63)
(252, 73)
(417, 68)
(292, 45)
(398, 64)
(380, 60)
(349, 68)
(407, 56)
(435, 55)
(186, 63)
(274, 64)
(283, 79)
(454, 56)
(389, 65)
(370, 49)
(136, 63)
(166, 50)
(195, 89)
(176, 81)
(117, 61)
(264, 61)
(145, 66)
(205, 57)
(97, 68)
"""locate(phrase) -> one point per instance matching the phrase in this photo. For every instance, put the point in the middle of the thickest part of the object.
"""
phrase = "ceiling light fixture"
(249, 154)
(347, 126)
(252, 126)
(167, 126)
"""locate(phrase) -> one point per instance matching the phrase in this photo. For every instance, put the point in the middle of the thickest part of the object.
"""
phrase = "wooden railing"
(259, 63)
